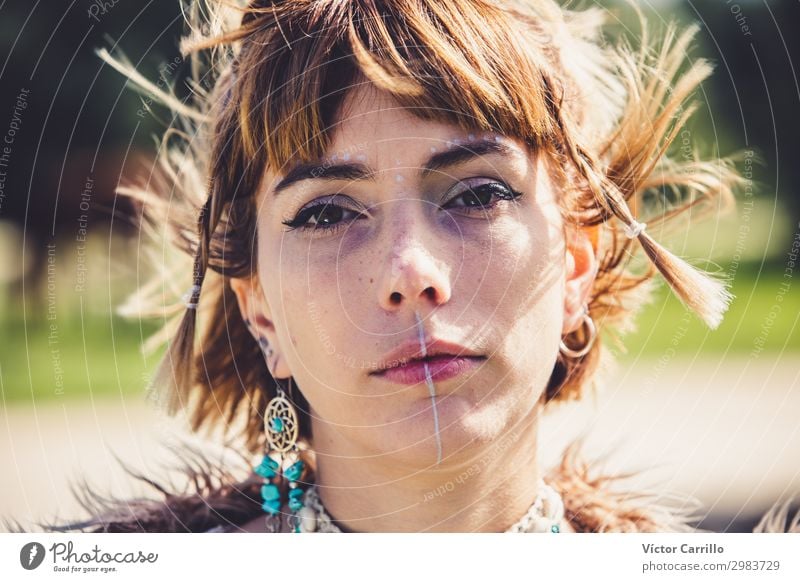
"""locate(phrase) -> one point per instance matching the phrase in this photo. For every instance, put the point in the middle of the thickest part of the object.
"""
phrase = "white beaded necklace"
(544, 515)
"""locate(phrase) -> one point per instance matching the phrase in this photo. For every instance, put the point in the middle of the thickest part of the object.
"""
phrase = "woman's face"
(415, 225)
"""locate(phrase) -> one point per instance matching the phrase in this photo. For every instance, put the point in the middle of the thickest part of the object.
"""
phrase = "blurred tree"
(81, 122)
(756, 91)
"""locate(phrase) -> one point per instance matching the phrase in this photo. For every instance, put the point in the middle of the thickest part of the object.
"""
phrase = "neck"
(488, 492)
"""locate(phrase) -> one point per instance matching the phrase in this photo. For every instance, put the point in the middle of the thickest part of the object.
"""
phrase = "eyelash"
(500, 189)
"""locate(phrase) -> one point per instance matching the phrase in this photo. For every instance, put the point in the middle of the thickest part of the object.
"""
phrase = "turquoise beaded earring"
(281, 429)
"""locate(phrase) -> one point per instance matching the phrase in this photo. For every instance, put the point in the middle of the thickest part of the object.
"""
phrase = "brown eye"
(326, 216)
(482, 196)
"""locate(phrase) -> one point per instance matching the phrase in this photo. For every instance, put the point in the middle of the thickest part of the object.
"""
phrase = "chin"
(466, 428)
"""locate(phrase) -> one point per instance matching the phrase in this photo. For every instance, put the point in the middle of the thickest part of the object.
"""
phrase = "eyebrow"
(458, 154)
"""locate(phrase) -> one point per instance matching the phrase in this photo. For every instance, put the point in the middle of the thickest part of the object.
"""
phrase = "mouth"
(440, 367)
(411, 362)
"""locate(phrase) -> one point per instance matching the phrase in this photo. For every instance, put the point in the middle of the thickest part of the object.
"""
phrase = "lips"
(406, 364)
(441, 367)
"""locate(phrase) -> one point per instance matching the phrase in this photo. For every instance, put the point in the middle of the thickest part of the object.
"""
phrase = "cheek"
(520, 267)
(320, 341)
(523, 297)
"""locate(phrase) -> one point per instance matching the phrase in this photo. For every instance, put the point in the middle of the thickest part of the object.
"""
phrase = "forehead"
(369, 114)
(371, 123)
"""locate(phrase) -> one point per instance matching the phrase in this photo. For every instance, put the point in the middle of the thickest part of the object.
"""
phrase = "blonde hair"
(279, 71)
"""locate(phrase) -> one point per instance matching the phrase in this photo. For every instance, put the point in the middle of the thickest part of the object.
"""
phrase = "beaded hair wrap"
(190, 298)
(634, 229)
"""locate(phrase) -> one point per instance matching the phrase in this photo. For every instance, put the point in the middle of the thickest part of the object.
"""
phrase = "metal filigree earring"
(281, 428)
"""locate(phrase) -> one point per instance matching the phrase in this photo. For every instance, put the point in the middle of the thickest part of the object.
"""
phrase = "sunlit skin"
(482, 267)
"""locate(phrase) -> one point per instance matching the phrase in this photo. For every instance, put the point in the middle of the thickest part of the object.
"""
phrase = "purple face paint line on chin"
(431, 389)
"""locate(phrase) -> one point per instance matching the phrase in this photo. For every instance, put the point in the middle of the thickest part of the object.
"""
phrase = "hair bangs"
(460, 63)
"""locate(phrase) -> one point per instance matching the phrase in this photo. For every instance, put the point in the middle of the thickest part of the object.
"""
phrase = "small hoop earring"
(591, 328)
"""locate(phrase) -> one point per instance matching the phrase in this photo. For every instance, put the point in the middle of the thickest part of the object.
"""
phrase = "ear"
(581, 271)
(257, 317)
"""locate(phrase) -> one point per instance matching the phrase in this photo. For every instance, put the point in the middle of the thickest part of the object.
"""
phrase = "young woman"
(409, 222)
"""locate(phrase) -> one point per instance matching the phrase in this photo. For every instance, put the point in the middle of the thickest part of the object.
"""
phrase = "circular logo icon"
(31, 555)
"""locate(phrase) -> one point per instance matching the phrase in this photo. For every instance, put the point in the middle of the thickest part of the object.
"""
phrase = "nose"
(413, 278)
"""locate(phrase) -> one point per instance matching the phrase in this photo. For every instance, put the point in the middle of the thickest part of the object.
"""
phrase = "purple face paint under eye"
(431, 389)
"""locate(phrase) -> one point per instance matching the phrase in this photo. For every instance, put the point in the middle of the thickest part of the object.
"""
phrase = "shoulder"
(777, 519)
(255, 525)
(595, 501)
(215, 498)
(219, 529)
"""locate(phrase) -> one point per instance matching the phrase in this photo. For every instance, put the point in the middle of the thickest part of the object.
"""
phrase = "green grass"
(751, 320)
(100, 355)
(97, 356)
